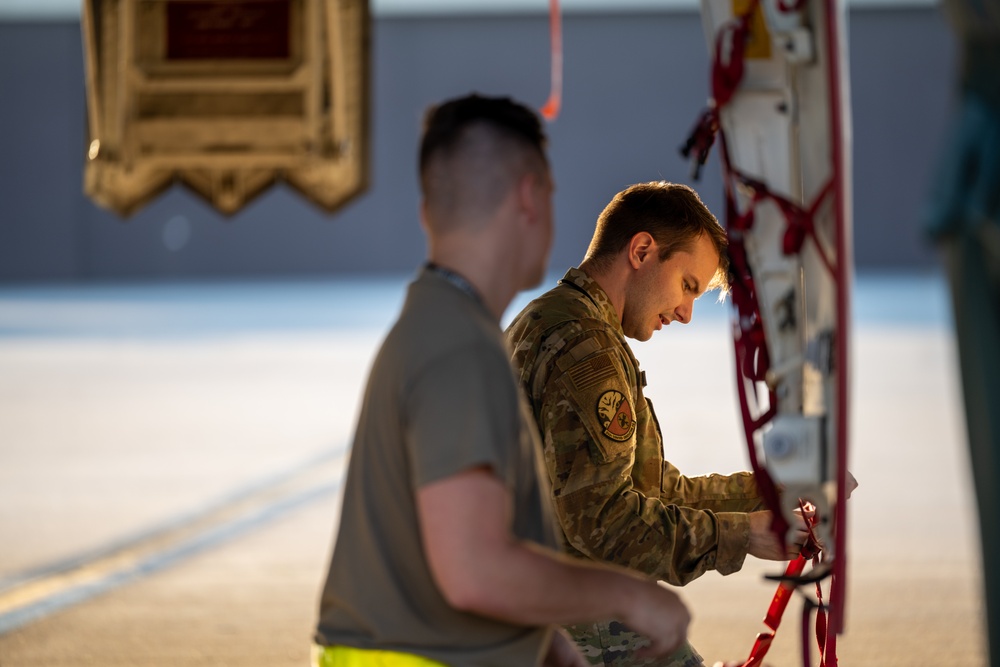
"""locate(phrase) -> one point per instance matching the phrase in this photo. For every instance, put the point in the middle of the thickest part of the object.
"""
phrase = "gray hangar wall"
(633, 86)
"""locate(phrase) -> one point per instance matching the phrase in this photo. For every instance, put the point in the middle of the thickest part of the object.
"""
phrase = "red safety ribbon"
(774, 613)
(727, 73)
(550, 110)
(811, 550)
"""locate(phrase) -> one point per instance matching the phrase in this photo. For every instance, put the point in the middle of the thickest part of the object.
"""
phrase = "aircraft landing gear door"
(227, 97)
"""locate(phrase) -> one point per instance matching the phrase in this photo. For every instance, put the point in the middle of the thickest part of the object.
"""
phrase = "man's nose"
(683, 314)
(684, 311)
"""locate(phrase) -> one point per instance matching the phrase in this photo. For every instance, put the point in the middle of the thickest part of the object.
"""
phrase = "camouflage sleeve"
(717, 493)
(729, 496)
(589, 439)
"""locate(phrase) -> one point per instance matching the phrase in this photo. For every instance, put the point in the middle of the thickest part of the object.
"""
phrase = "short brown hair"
(472, 150)
(672, 213)
(443, 123)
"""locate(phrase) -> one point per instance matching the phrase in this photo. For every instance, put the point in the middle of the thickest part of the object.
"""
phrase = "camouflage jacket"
(616, 497)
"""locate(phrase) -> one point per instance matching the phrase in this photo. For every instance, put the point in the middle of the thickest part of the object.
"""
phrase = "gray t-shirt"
(441, 398)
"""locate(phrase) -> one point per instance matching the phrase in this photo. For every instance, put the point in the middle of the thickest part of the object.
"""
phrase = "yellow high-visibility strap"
(347, 656)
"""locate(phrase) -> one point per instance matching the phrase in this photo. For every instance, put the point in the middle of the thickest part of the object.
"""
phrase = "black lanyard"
(457, 280)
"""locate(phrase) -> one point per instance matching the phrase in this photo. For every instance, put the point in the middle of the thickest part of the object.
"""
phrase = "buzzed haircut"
(672, 213)
(473, 151)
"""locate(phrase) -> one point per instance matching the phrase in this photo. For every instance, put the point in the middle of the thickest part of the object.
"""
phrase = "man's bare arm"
(481, 568)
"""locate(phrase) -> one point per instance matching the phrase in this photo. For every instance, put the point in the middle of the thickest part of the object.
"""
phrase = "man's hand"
(662, 617)
(563, 652)
(763, 543)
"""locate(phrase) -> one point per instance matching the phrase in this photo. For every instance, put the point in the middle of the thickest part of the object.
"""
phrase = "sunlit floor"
(129, 412)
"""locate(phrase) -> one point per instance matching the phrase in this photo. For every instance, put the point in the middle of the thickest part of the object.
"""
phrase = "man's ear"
(641, 248)
(527, 199)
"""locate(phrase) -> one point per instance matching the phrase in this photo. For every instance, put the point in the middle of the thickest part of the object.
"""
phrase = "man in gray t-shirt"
(440, 399)
(446, 545)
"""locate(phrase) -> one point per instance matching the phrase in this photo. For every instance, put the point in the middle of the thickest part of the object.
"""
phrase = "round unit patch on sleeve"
(615, 413)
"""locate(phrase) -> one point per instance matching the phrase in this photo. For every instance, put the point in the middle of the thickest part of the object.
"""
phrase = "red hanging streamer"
(551, 108)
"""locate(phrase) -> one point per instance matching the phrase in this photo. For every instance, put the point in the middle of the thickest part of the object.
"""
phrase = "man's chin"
(642, 336)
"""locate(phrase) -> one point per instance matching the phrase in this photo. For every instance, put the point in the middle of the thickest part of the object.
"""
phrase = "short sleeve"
(462, 412)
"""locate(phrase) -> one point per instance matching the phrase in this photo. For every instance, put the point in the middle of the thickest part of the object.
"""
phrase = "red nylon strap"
(550, 110)
(784, 593)
(700, 140)
(799, 221)
(774, 613)
(752, 360)
(730, 52)
(727, 72)
(826, 642)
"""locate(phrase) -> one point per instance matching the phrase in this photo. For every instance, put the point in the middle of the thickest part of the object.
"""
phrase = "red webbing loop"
(826, 641)
(749, 340)
(766, 486)
(755, 360)
(830, 652)
(700, 140)
(727, 68)
(799, 223)
(550, 110)
(727, 73)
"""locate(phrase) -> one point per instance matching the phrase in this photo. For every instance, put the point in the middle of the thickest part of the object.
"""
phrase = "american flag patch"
(592, 371)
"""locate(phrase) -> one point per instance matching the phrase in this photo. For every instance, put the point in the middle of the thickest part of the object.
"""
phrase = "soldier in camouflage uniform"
(656, 249)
